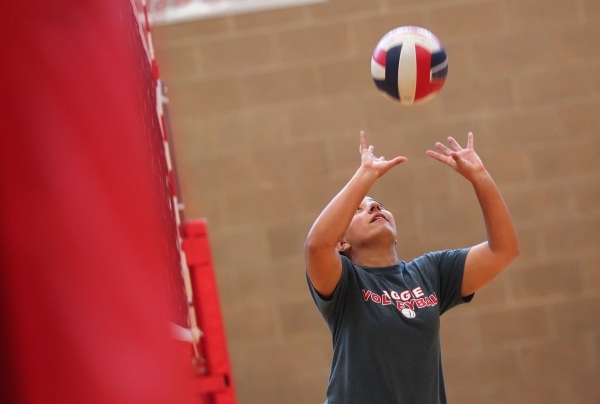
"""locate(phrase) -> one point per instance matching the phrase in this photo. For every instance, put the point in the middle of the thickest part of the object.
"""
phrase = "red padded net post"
(217, 384)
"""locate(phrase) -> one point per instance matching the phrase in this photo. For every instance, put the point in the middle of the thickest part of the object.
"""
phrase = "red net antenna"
(206, 330)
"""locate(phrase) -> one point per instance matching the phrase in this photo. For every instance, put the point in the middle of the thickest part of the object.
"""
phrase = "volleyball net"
(196, 283)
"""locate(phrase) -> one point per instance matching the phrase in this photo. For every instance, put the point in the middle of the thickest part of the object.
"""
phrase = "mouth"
(379, 216)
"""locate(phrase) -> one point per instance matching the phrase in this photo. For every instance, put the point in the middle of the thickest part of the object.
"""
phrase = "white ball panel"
(416, 35)
(377, 70)
(407, 72)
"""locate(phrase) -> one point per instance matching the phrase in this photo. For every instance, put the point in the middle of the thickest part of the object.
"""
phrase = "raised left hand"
(464, 161)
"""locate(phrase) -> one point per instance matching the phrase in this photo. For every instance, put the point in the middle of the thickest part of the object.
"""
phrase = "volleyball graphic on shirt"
(409, 65)
(408, 313)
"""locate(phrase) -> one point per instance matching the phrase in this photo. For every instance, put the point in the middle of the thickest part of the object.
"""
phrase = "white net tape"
(173, 11)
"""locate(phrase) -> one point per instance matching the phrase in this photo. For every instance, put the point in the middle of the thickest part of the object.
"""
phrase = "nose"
(374, 207)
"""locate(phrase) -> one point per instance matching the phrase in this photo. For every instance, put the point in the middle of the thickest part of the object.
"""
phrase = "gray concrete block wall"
(266, 109)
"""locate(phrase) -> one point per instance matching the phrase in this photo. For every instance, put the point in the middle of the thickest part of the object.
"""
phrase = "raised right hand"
(374, 164)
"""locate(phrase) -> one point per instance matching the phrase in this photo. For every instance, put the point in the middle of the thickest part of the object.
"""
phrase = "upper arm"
(481, 266)
(324, 268)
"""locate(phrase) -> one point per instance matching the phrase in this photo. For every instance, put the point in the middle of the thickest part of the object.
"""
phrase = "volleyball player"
(384, 313)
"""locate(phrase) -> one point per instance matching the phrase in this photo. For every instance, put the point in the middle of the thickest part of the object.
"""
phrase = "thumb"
(398, 160)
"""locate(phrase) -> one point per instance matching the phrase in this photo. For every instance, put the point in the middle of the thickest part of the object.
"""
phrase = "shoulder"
(346, 261)
(426, 260)
(349, 268)
(348, 265)
(439, 263)
(440, 257)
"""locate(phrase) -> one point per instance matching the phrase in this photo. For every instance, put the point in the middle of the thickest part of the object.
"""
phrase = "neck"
(376, 258)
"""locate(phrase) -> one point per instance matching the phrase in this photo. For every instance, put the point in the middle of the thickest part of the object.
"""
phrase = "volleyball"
(410, 65)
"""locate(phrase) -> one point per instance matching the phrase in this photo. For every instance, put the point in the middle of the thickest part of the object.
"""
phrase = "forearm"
(332, 223)
(488, 259)
(501, 234)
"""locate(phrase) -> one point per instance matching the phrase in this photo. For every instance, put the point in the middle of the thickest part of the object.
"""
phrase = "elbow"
(513, 252)
(516, 250)
(506, 254)
(311, 244)
(315, 244)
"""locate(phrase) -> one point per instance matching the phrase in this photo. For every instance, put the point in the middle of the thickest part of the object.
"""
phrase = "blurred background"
(265, 110)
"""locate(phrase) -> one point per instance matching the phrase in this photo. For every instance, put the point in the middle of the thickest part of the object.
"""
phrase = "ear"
(342, 246)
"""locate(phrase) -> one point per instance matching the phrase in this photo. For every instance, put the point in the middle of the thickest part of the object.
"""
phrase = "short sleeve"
(450, 265)
(328, 307)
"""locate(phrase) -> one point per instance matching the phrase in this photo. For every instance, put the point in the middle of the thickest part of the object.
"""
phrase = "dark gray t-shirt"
(385, 326)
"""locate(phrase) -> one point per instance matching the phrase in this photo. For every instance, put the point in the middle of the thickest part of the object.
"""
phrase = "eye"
(358, 209)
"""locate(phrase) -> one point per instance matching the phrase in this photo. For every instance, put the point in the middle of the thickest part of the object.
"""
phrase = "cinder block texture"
(265, 111)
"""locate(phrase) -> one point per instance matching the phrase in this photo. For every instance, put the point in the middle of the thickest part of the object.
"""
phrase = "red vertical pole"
(217, 383)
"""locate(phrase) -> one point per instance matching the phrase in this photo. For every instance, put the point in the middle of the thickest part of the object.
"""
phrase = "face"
(371, 223)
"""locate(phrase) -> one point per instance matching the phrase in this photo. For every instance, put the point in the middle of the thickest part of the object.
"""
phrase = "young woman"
(384, 313)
